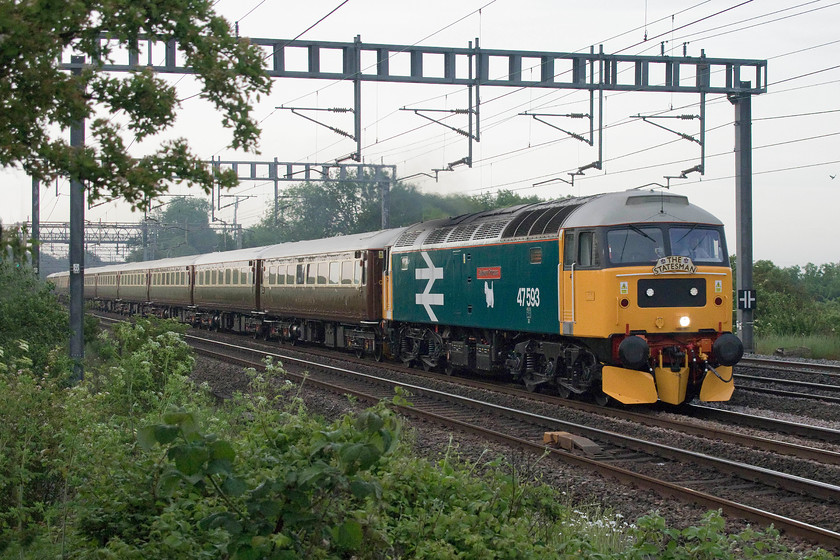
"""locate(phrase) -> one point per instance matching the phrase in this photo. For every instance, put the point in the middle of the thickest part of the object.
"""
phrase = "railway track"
(633, 460)
(729, 418)
(832, 370)
(791, 379)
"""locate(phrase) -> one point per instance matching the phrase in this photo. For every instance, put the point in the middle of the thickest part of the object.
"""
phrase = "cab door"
(567, 282)
(387, 287)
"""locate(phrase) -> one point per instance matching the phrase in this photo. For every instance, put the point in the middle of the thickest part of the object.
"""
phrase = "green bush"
(29, 311)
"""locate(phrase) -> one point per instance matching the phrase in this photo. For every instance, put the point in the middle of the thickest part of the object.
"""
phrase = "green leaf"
(169, 482)
(146, 437)
(349, 535)
(234, 486)
(219, 466)
(369, 421)
(363, 489)
(222, 450)
(184, 420)
(166, 434)
(175, 417)
(189, 458)
(224, 519)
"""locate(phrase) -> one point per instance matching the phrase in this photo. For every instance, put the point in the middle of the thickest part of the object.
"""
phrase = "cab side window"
(569, 249)
(585, 249)
(588, 253)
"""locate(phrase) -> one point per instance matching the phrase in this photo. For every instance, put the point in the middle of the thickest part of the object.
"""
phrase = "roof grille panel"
(490, 230)
(408, 238)
(462, 233)
(438, 236)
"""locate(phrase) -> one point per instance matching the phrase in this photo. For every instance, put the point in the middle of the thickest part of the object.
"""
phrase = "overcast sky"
(796, 124)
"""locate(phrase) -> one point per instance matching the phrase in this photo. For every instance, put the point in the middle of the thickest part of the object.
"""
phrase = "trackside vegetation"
(140, 462)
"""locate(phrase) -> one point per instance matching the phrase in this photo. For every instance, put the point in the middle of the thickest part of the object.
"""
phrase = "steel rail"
(794, 382)
(828, 435)
(790, 394)
(788, 365)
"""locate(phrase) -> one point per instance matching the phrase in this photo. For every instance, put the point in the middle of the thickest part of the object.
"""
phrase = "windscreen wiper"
(640, 232)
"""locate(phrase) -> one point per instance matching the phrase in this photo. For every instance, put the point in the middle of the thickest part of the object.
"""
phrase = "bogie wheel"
(531, 384)
(377, 352)
(359, 353)
(600, 397)
(449, 369)
(563, 392)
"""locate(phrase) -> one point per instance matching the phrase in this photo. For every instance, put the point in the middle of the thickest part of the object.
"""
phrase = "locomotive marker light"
(685, 321)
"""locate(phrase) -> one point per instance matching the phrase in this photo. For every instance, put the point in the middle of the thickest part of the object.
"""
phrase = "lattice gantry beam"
(493, 67)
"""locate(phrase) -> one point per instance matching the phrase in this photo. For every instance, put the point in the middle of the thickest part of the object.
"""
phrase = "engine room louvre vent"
(462, 233)
(438, 236)
(490, 230)
(408, 238)
(539, 222)
(555, 222)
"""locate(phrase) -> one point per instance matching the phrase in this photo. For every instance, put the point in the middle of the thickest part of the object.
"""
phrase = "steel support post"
(36, 226)
(273, 175)
(743, 210)
(77, 249)
(357, 96)
(384, 196)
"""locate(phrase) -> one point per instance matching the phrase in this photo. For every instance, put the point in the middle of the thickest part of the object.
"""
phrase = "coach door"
(387, 287)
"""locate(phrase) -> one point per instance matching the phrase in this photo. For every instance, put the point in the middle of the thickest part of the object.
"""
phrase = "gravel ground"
(430, 441)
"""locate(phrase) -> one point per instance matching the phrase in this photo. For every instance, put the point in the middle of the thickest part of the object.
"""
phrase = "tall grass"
(820, 346)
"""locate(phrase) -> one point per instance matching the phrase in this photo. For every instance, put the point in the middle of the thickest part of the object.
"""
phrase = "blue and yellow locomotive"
(622, 295)
(626, 295)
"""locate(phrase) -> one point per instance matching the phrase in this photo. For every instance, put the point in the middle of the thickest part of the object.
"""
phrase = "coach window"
(228, 274)
(323, 272)
(311, 273)
(335, 272)
(272, 275)
(281, 274)
(347, 272)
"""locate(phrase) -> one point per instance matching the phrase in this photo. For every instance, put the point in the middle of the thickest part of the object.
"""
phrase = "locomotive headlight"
(693, 291)
(685, 321)
(649, 292)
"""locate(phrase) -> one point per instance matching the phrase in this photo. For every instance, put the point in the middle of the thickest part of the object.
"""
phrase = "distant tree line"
(314, 211)
(796, 301)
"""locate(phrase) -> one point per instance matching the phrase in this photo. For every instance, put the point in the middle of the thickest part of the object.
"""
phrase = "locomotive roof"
(545, 219)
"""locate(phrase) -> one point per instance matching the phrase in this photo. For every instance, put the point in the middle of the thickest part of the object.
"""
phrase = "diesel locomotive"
(622, 295)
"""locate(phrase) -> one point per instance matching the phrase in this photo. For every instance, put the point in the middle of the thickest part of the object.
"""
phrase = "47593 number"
(528, 297)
